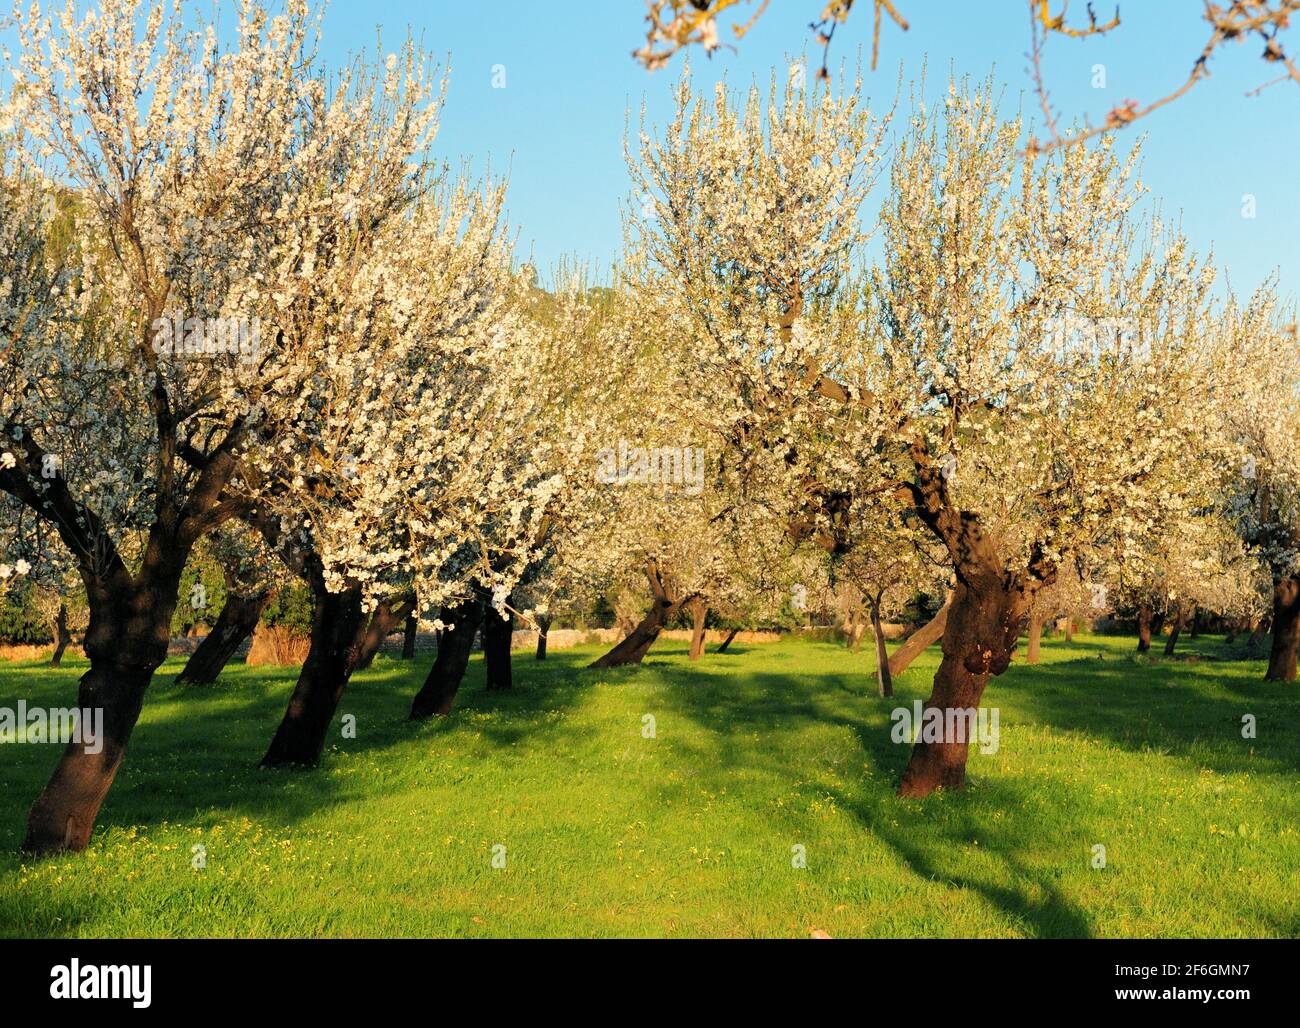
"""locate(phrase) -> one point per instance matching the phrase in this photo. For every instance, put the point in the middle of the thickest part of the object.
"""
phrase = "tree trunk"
(916, 643)
(126, 640)
(454, 645)
(1180, 619)
(62, 637)
(408, 636)
(727, 641)
(338, 633)
(1286, 631)
(383, 623)
(884, 680)
(543, 626)
(1069, 628)
(699, 611)
(638, 642)
(1035, 636)
(984, 623)
(64, 814)
(1144, 627)
(239, 616)
(498, 631)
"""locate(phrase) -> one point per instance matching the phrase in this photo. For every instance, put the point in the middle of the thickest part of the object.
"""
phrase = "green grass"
(690, 833)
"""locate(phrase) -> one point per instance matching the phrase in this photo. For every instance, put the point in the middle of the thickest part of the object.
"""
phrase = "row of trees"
(410, 426)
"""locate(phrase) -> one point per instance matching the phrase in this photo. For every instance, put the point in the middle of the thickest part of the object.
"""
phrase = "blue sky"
(558, 124)
(570, 80)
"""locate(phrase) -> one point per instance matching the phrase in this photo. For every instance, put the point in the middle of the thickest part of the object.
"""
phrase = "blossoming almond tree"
(1260, 422)
(190, 167)
(948, 391)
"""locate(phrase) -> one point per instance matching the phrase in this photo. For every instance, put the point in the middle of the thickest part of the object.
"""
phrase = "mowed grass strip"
(693, 832)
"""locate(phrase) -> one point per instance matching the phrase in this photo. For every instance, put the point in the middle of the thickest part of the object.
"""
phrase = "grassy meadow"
(691, 832)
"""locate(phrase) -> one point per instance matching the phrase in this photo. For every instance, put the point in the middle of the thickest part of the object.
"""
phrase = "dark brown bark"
(915, 644)
(884, 680)
(665, 607)
(1286, 631)
(1180, 621)
(699, 611)
(498, 631)
(984, 624)
(985, 619)
(338, 634)
(1144, 627)
(63, 816)
(408, 636)
(727, 641)
(543, 626)
(1032, 654)
(62, 637)
(454, 646)
(127, 638)
(383, 623)
(238, 618)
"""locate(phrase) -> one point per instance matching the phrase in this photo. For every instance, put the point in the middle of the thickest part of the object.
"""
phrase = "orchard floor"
(691, 832)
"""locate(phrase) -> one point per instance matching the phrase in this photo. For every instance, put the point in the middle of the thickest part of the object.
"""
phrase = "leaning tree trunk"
(985, 618)
(1286, 631)
(498, 632)
(454, 645)
(383, 623)
(699, 611)
(1032, 655)
(408, 636)
(130, 628)
(884, 680)
(238, 618)
(638, 642)
(62, 637)
(731, 634)
(1180, 619)
(916, 643)
(338, 633)
(543, 626)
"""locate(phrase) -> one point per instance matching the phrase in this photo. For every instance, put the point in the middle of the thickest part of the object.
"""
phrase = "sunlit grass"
(689, 833)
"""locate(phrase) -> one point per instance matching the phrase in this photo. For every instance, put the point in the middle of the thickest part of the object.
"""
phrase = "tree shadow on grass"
(195, 751)
(933, 839)
(1191, 711)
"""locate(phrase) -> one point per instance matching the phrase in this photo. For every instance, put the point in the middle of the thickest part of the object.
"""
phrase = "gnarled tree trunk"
(498, 631)
(236, 622)
(638, 642)
(338, 633)
(454, 645)
(916, 643)
(699, 611)
(1286, 630)
(984, 623)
